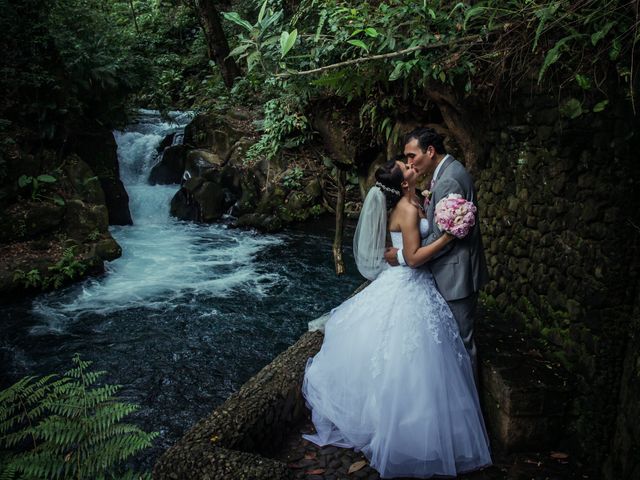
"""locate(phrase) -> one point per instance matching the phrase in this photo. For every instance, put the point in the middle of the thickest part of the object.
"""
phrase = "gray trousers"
(464, 311)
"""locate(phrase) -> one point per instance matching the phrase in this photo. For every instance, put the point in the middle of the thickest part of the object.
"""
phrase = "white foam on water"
(164, 261)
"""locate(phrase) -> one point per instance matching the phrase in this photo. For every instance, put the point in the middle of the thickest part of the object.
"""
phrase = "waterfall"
(164, 259)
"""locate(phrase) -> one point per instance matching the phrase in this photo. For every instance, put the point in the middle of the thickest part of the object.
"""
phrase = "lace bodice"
(396, 237)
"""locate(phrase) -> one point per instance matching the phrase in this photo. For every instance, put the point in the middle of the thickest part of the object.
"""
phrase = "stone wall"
(558, 199)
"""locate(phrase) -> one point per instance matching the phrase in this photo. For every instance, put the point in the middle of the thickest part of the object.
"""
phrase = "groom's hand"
(391, 256)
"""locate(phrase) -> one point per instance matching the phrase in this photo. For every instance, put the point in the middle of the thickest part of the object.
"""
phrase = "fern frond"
(66, 427)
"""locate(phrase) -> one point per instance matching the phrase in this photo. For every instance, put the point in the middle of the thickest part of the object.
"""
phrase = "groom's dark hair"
(426, 136)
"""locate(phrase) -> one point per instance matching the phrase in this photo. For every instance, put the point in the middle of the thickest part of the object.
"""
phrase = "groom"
(459, 269)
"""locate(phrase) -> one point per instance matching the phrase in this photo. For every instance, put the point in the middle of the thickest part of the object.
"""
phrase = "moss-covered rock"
(22, 221)
(83, 219)
(170, 166)
(263, 222)
(96, 146)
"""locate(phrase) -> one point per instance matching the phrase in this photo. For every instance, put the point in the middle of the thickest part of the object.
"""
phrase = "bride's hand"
(448, 236)
(390, 255)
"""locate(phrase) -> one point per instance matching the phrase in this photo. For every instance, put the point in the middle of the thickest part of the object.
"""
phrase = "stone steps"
(525, 397)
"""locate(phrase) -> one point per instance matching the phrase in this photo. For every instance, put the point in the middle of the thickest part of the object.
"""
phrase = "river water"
(188, 313)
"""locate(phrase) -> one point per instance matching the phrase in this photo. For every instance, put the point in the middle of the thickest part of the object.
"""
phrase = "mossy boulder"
(23, 221)
(263, 222)
(85, 183)
(97, 146)
(212, 132)
(202, 200)
(85, 220)
(170, 166)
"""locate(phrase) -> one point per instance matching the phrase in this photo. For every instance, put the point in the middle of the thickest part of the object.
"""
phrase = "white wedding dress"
(394, 380)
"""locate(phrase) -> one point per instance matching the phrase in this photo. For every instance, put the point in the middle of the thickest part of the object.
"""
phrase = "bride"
(393, 378)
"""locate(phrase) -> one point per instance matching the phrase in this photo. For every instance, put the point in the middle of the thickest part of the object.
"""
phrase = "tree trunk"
(217, 45)
(458, 124)
(135, 18)
(341, 179)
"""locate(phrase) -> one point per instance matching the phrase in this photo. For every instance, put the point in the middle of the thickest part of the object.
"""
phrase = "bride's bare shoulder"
(406, 208)
(403, 213)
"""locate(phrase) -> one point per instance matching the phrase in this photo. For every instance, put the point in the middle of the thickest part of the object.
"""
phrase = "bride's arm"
(413, 253)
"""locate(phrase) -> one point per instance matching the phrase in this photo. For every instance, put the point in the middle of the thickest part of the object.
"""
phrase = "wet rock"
(339, 128)
(298, 201)
(166, 142)
(313, 189)
(195, 156)
(170, 166)
(263, 222)
(212, 132)
(83, 220)
(85, 183)
(211, 199)
(108, 249)
(239, 151)
(97, 147)
(200, 201)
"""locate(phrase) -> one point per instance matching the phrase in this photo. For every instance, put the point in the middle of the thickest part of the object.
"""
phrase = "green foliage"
(67, 427)
(287, 40)
(64, 60)
(94, 235)
(316, 211)
(36, 185)
(255, 44)
(572, 108)
(169, 38)
(30, 279)
(400, 47)
(292, 177)
(67, 267)
(284, 126)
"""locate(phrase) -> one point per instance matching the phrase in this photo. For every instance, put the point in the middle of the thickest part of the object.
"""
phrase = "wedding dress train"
(394, 380)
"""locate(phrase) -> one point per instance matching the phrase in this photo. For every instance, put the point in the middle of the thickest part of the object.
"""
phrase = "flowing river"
(188, 313)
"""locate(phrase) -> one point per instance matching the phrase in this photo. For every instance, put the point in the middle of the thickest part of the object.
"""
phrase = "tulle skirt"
(394, 381)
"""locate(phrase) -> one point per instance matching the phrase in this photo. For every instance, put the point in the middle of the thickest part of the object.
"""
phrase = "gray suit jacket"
(460, 269)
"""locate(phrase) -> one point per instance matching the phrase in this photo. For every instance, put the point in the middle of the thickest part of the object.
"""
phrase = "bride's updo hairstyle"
(389, 179)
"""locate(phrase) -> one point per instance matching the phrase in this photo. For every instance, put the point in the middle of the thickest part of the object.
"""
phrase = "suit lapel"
(447, 161)
(432, 205)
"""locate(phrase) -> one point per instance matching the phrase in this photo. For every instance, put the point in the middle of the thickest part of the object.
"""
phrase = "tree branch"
(353, 61)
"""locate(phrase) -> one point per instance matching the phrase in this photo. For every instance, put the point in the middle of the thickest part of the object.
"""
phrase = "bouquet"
(455, 215)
